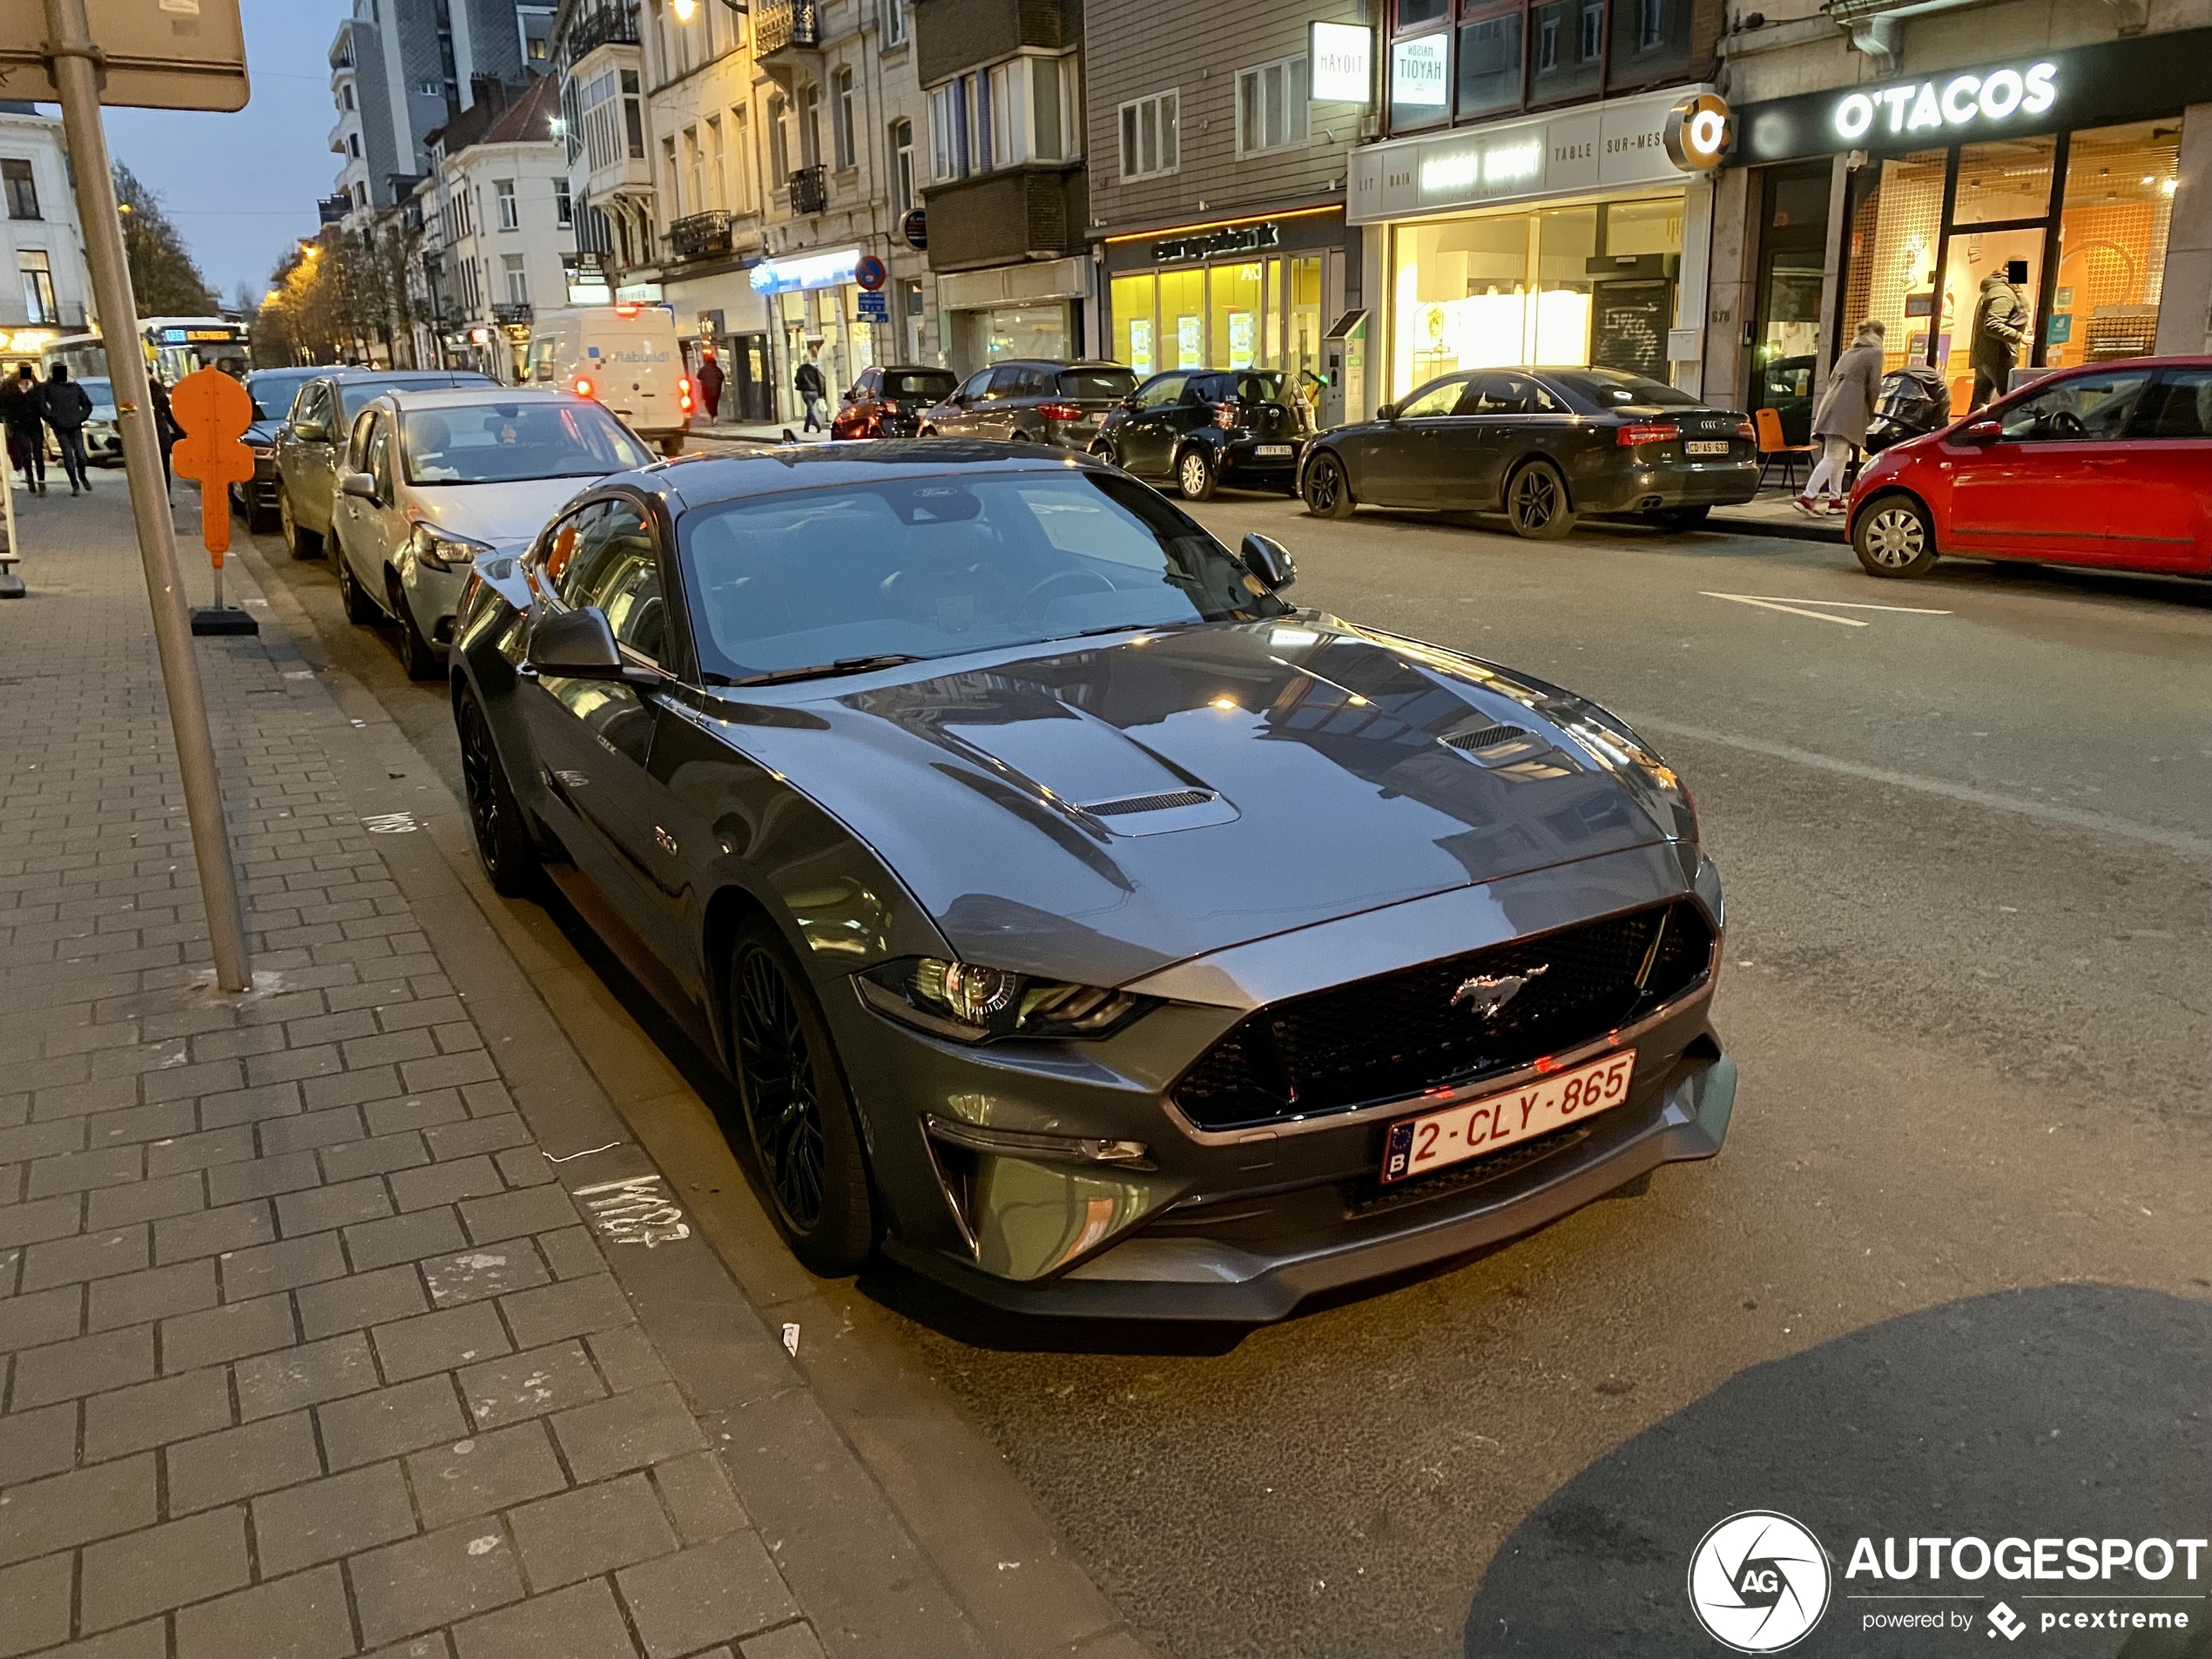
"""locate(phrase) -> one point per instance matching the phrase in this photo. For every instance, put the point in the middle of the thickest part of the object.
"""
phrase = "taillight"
(582, 386)
(684, 401)
(682, 386)
(890, 408)
(1645, 432)
(1061, 411)
(627, 312)
(1224, 415)
(1745, 430)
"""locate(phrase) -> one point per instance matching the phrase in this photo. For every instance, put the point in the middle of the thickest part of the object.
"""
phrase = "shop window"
(1183, 319)
(1421, 86)
(1650, 42)
(1895, 232)
(2120, 185)
(1239, 299)
(2008, 178)
(1490, 63)
(1271, 106)
(1566, 43)
(1793, 243)
(1135, 300)
(1149, 146)
(1302, 351)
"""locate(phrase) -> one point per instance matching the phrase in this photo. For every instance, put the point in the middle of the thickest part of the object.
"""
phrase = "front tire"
(298, 541)
(1194, 476)
(1894, 536)
(360, 608)
(417, 655)
(1536, 503)
(504, 844)
(1326, 489)
(797, 1112)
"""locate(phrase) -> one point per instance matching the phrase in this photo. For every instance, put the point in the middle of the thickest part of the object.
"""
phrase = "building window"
(353, 145)
(694, 165)
(510, 212)
(1271, 106)
(844, 119)
(748, 200)
(349, 95)
(37, 288)
(943, 120)
(902, 166)
(361, 195)
(518, 279)
(894, 23)
(633, 114)
(1149, 137)
(23, 189)
(718, 165)
(668, 179)
(563, 206)
(810, 125)
(1008, 97)
(778, 141)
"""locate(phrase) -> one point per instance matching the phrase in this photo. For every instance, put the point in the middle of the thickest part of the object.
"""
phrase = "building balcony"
(781, 25)
(1034, 211)
(608, 25)
(700, 236)
(331, 209)
(810, 189)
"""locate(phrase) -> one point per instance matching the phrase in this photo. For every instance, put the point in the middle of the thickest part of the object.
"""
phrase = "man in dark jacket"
(710, 381)
(25, 429)
(813, 389)
(66, 408)
(2001, 322)
(165, 431)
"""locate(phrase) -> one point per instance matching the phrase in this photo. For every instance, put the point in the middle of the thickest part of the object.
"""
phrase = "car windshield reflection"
(509, 443)
(937, 566)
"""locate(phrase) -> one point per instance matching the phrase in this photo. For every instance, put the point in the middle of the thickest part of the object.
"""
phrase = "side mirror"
(1387, 412)
(361, 485)
(309, 432)
(1270, 562)
(576, 645)
(1981, 432)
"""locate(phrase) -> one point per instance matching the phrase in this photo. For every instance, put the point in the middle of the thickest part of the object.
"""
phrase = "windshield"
(1251, 386)
(936, 566)
(503, 443)
(355, 395)
(272, 392)
(935, 384)
(101, 392)
(1100, 383)
(1609, 388)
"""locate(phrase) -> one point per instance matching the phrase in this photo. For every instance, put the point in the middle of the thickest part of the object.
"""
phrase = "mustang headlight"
(972, 1003)
(443, 550)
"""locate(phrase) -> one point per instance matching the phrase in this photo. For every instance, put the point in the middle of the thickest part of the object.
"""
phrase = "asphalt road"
(1951, 1273)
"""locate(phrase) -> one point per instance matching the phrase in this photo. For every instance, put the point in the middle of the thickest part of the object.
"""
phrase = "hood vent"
(1490, 736)
(1150, 803)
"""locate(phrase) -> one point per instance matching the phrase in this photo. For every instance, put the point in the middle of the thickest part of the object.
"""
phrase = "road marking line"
(1840, 604)
(2046, 811)
(1795, 611)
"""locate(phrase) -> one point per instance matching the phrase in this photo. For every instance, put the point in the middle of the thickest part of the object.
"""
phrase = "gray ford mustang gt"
(1079, 923)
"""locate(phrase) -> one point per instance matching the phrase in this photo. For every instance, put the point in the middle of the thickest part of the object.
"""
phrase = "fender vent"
(1150, 803)
(1490, 736)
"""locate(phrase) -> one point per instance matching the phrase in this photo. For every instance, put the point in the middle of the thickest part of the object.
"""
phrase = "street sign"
(875, 305)
(155, 54)
(212, 410)
(869, 273)
(915, 228)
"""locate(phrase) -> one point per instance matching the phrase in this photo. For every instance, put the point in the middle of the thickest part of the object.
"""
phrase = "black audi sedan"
(1078, 922)
(1205, 428)
(1543, 445)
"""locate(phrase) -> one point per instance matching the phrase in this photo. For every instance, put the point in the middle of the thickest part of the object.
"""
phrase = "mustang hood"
(503, 515)
(1098, 812)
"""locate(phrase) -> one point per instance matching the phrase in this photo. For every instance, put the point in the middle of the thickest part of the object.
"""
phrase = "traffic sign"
(869, 272)
(178, 55)
(214, 411)
(875, 305)
(915, 228)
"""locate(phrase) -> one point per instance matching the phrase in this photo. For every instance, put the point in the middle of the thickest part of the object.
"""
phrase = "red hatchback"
(2109, 464)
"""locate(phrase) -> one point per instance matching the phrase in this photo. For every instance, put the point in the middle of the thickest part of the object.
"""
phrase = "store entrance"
(750, 389)
(1786, 328)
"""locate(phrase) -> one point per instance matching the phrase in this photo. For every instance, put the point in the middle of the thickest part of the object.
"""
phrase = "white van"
(627, 357)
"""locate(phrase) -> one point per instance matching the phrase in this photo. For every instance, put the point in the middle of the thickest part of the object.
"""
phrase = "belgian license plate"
(1434, 1140)
(1266, 449)
(1705, 447)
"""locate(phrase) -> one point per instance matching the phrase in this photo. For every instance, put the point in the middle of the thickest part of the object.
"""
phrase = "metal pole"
(74, 61)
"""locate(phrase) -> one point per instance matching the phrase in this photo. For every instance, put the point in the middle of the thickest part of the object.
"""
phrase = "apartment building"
(1003, 177)
(48, 291)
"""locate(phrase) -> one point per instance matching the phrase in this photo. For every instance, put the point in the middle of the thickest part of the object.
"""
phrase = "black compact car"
(1079, 922)
(272, 390)
(1542, 446)
(1206, 428)
(889, 402)
(1033, 400)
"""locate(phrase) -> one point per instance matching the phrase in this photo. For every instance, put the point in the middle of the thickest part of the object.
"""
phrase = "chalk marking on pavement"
(2048, 812)
(1795, 611)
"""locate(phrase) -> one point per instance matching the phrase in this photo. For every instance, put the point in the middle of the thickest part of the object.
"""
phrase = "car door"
(2167, 470)
(2050, 486)
(994, 416)
(958, 414)
(1145, 441)
(309, 458)
(346, 519)
(370, 525)
(1506, 414)
(1403, 468)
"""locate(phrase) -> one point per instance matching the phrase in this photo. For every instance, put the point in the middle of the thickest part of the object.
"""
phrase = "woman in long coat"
(1839, 423)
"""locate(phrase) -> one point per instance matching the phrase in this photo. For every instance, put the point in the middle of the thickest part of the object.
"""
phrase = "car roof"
(473, 396)
(701, 480)
(913, 369)
(406, 376)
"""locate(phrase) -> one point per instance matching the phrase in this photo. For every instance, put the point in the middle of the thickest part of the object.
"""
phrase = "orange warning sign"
(214, 411)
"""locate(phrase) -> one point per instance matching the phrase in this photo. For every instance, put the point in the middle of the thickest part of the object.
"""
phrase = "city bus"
(174, 348)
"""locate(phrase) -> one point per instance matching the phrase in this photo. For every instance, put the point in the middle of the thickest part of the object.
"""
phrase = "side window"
(2179, 407)
(973, 390)
(622, 573)
(560, 551)
(380, 455)
(357, 447)
(1206, 389)
(303, 405)
(1442, 399)
(2082, 409)
(321, 409)
(541, 360)
(1162, 392)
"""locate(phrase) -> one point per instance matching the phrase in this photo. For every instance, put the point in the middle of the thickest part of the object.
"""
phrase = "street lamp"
(683, 8)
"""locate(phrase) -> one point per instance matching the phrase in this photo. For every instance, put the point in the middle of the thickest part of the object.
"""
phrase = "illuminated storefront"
(1243, 293)
(2053, 173)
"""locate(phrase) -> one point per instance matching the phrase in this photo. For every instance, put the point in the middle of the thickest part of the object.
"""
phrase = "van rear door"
(636, 365)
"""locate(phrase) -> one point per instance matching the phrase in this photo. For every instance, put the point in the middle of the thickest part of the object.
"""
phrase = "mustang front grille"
(1445, 1022)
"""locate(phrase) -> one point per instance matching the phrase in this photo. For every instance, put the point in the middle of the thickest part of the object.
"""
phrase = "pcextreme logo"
(1759, 1581)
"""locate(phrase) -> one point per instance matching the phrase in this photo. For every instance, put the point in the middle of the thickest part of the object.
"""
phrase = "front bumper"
(433, 595)
(1242, 1225)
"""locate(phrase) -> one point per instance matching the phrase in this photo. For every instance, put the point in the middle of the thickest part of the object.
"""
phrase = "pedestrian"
(813, 389)
(66, 408)
(1840, 424)
(165, 431)
(25, 428)
(2001, 322)
(711, 379)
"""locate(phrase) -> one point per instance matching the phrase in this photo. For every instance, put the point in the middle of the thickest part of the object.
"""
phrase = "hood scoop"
(1156, 815)
(1131, 803)
(1513, 750)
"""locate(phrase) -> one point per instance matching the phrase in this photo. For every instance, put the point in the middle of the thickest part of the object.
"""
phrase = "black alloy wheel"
(1536, 503)
(417, 655)
(1194, 475)
(502, 839)
(1894, 537)
(298, 541)
(1327, 491)
(360, 608)
(797, 1112)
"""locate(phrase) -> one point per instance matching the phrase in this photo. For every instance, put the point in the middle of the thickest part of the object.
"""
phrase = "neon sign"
(1960, 101)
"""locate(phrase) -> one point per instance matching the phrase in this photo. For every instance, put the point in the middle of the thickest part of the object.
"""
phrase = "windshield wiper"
(820, 670)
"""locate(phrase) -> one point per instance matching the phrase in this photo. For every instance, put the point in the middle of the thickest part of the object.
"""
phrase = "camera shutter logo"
(1758, 1581)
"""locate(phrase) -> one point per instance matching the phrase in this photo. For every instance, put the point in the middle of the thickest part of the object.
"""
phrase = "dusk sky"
(243, 187)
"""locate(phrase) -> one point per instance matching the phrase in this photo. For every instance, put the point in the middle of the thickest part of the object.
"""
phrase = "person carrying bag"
(1839, 423)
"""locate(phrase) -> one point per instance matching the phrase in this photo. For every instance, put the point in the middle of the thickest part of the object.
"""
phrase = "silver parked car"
(433, 479)
(310, 446)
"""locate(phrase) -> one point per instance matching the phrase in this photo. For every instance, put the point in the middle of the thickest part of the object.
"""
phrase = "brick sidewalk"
(303, 1351)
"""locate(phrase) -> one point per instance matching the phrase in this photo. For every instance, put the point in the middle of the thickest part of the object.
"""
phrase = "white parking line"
(1776, 604)
(1797, 607)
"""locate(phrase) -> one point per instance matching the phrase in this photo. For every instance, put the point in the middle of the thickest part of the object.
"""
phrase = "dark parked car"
(1078, 922)
(1205, 428)
(2106, 464)
(1542, 446)
(312, 441)
(889, 402)
(1033, 401)
(273, 390)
